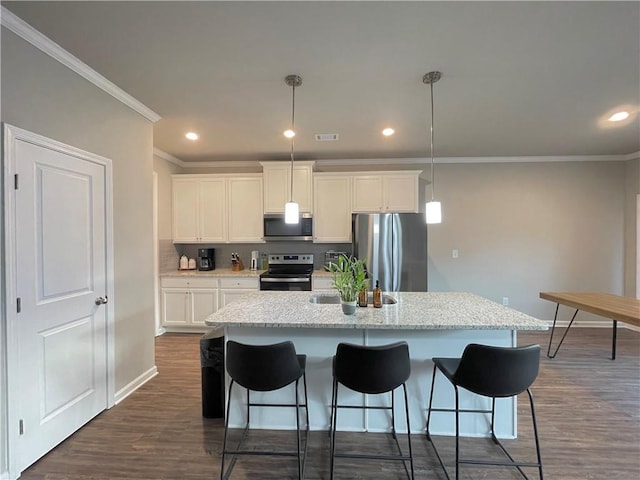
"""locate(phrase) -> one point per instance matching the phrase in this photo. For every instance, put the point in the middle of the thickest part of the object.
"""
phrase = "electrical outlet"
(505, 301)
(454, 253)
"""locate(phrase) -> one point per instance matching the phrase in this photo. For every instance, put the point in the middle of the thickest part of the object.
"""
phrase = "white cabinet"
(245, 218)
(332, 208)
(391, 192)
(199, 209)
(277, 185)
(234, 287)
(217, 208)
(322, 284)
(188, 302)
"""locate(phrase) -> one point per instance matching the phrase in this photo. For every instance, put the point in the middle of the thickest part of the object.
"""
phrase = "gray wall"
(41, 95)
(529, 227)
(631, 215)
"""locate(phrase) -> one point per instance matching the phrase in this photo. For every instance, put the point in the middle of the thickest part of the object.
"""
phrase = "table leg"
(614, 339)
(555, 318)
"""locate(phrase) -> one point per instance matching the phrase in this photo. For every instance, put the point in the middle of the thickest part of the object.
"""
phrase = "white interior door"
(58, 366)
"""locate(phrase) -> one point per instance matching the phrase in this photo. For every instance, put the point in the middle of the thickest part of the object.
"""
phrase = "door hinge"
(21, 426)
(18, 305)
(15, 182)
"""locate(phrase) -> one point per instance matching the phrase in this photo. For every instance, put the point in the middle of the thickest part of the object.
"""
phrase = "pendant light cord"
(433, 182)
(293, 112)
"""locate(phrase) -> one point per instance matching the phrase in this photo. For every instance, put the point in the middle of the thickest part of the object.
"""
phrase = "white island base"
(319, 344)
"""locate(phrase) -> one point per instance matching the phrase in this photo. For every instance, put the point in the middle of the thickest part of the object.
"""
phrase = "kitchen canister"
(192, 264)
(184, 263)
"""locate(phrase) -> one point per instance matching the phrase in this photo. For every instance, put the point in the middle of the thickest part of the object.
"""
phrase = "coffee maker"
(206, 259)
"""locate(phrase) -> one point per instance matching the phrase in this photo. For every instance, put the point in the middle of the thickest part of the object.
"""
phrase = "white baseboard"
(135, 384)
(593, 324)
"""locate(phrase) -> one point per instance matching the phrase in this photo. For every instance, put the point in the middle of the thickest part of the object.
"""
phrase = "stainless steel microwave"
(276, 230)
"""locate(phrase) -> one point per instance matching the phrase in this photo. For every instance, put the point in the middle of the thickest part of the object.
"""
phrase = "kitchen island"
(432, 323)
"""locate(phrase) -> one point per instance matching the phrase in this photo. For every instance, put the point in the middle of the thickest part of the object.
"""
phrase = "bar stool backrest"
(262, 367)
(497, 371)
(375, 369)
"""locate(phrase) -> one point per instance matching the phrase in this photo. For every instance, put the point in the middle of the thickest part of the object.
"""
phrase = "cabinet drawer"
(240, 282)
(189, 282)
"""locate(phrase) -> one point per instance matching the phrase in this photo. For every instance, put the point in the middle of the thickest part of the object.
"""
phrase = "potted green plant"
(349, 278)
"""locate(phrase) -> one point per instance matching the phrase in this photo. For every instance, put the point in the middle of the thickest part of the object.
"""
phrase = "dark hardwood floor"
(588, 411)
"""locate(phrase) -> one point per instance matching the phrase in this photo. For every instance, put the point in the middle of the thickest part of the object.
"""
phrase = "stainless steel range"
(288, 272)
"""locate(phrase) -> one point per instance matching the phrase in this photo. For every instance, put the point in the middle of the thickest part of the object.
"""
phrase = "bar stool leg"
(406, 411)
(433, 382)
(334, 419)
(226, 429)
(457, 433)
(535, 433)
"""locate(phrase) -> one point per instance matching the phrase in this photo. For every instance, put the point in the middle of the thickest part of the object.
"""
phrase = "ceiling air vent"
(326, 137)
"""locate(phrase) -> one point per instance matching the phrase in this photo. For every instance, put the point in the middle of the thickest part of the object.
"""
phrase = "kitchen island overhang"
(434, 324)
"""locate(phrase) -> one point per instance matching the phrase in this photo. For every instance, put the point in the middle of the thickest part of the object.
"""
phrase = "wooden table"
(615, 307)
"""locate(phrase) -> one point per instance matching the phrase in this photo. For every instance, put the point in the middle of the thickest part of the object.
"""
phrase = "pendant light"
(433, 208)
(291, 208)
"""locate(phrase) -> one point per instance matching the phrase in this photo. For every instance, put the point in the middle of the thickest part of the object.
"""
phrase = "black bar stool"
(494, 372)
(264, 368)
(371, 370)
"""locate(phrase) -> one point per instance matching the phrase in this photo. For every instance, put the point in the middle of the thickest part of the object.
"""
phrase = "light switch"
(454, 253)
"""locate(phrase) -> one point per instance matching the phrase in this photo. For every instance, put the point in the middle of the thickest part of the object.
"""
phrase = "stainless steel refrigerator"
(395, 247)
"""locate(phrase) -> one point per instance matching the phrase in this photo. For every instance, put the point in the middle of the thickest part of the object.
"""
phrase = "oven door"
(285, 283)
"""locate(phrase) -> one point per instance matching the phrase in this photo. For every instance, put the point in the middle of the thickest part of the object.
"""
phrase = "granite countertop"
(218, 272)
(414, 311)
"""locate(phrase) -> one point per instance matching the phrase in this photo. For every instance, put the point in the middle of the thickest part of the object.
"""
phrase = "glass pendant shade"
(291, 212)
(434, 212)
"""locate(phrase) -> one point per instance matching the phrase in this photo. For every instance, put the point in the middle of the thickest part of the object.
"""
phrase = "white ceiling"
(518, 78)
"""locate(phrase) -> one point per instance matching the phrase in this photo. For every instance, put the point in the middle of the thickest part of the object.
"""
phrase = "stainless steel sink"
(335, 299)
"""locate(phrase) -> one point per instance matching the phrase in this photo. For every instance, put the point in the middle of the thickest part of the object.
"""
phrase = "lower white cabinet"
(188, 302)
(322, 284)
(234, 287)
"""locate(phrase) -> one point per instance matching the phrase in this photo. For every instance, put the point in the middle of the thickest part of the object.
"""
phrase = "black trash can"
(212, 363)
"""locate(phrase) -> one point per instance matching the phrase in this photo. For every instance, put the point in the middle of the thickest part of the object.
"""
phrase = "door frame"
(11, 383)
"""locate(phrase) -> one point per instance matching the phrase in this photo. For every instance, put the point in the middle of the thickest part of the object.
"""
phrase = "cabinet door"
(400, 193)
(175, 307)
(212, 210)
(245, 209)
(367, 193)
(332, 209)
(276, 187)
(303, 187)
(185, 210)
(204, 302)
(323, 284)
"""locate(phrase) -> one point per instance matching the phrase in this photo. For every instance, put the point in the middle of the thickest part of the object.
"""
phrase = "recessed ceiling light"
(619, 116)
(192, 136)
(289, 133)
(387, 132)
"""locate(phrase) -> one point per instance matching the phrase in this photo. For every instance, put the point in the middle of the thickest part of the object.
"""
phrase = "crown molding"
(419, 162)
(169, 158)
(633, 156)
(55, 51)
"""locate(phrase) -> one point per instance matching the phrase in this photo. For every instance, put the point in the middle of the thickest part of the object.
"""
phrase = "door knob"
(102, 300)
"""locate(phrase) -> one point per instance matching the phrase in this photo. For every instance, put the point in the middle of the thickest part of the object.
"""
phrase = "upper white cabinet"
(245, 209)
(392, 192)
(217, 208)
(277, 185)
(331, 208)
(199, 210)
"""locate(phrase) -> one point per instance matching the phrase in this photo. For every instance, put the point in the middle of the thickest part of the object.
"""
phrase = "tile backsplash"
(224, 251)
